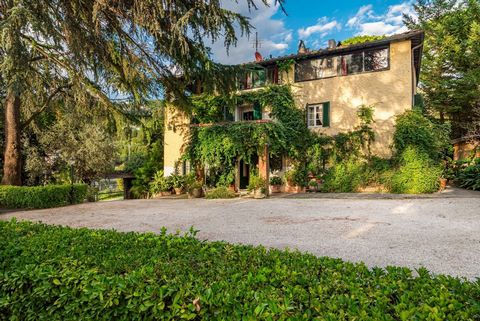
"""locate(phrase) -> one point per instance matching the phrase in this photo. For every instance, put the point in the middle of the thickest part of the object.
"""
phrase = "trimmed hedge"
(57, 273)
(41, 196)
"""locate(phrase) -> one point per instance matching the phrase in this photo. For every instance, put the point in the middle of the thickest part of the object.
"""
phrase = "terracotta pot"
(276, 188)
(196, 192)
(178, 190)
(443, 183)
(294, 189)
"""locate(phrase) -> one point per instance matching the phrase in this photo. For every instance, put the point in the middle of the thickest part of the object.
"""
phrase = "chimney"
(332, 44)
(301, 47)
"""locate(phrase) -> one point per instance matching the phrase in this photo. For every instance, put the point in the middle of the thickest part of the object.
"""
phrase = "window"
(315, 69)
(253, 79)
(272, 74)
(318, 115)
(354, 63)
(365, 61)
(376, 59)
(249, 112)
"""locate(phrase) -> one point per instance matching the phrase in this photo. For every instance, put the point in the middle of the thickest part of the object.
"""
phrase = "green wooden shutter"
(326, 114)
(257, 111)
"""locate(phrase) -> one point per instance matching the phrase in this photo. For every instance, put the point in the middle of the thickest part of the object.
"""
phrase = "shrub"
(345, 177)
(220, 192)
(42, 196)
(469, 177)
(58, 273)
(414, 129)
(416, 173)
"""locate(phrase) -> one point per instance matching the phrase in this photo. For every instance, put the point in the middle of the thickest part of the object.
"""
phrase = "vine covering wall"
(222, 142)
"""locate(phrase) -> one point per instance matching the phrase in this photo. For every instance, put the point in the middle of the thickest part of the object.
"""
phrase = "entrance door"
(244, 174)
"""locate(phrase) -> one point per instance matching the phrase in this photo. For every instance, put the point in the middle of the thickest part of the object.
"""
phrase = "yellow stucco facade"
(390, 91)
(176, 135)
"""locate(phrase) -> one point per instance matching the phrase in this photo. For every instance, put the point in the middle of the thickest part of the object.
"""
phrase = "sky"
(313, 21)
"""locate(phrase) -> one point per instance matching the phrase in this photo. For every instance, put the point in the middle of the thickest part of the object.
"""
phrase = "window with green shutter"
(257, 111)
(318, 115)
(326, 114)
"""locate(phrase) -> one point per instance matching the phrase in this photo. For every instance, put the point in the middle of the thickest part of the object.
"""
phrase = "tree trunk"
(12, 166)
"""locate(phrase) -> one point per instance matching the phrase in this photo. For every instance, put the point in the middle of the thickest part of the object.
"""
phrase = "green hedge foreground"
(57, 273)
(41, 196)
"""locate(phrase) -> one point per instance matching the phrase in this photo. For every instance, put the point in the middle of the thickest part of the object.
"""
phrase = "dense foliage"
(91, 51)
(41, 196)
(142, 153)
(345, 177)
(414, 129)
(220, 192)
(360, 39)
(419, 145)
(57, 273)
(450, 75)
(417, 173)
(69, 141)
(221, 144)
(469, 176)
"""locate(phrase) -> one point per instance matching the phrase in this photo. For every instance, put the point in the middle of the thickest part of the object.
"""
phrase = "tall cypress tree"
(97, 49)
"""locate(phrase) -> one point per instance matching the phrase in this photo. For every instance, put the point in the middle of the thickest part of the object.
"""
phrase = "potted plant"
(296, 180)
(178, 183)
(195, 189)
(160, 185)
(276, 183)
(257, 186)
(312, 186)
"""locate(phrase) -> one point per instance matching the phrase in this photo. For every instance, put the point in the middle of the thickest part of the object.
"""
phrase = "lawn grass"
(59, 273)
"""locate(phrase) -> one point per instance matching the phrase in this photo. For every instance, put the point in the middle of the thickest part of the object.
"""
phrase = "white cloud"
(275, 37)
(323, 26)
(366, 22)
(360, 15)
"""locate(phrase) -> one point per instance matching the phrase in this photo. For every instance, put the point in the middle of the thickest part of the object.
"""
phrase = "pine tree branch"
(45, 105)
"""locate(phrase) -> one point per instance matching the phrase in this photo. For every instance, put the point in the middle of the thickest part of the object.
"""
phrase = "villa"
(329, 85)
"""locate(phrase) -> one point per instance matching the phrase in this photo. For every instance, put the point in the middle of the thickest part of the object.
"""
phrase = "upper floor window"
(259, 78)
(365, 61)
(318, 115)
(315, 69)
(357, 62)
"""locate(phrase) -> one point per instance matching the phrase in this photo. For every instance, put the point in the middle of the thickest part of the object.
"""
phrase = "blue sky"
(313, 21)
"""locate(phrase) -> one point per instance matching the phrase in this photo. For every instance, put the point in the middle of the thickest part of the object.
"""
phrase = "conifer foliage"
(89, 51)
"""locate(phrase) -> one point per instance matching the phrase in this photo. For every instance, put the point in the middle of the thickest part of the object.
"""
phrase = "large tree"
(450, 77)
(97, 49)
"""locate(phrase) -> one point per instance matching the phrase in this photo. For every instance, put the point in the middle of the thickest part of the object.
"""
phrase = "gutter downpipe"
(413, 72)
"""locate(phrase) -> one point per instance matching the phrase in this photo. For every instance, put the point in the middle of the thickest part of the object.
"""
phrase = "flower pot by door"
(443, 183)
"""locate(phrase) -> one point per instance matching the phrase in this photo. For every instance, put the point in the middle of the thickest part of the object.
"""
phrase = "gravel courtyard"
(441, 234)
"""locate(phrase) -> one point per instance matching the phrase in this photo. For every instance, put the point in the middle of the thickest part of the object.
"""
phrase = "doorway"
(244, 174)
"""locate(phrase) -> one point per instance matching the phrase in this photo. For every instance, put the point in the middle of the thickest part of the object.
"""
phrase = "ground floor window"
(318, 115)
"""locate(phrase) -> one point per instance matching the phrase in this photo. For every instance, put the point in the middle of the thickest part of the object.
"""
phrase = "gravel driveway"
(442, 235)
